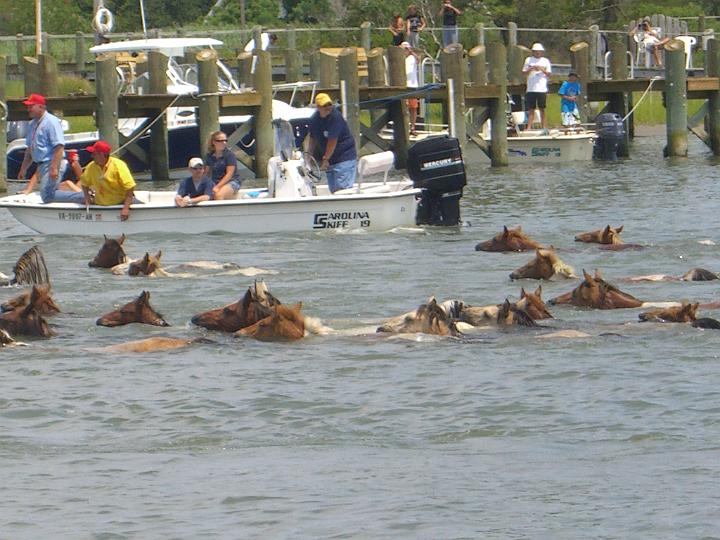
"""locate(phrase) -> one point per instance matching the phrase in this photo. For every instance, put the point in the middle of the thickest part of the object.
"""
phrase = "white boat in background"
(536, 146)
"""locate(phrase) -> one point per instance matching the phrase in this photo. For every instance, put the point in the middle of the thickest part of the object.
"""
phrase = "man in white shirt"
(538, 70)
(411, 73)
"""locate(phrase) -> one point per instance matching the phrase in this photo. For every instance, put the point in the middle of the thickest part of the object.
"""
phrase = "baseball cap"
(195, 162)
(405, 45)
(538, 47)
(34, 99)
(322, 99)
(99, 146)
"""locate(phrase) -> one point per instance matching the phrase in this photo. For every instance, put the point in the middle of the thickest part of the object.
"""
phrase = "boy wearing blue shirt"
(570, 91)
(197, 187)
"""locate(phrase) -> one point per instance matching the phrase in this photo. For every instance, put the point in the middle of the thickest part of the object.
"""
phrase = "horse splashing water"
(595, 292)
(545, 265)
(508, 240)
(137, 311)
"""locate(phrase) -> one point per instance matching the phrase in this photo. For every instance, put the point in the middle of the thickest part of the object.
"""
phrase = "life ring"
(103, 22)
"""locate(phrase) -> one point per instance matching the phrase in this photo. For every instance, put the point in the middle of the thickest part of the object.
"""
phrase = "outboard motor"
(610, 134)
(436, 166)
(288, 174)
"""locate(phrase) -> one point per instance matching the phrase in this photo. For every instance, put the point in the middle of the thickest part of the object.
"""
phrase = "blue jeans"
(414, 39)
(450, 35)
(49, 188)
(342, 175)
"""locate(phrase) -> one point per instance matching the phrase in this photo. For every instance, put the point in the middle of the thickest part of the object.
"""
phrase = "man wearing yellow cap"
(330, 135)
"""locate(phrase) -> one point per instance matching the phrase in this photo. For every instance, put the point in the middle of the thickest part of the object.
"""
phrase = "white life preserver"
(103, 22)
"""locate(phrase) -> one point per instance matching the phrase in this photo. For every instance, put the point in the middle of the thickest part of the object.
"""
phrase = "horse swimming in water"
(545, 265)
(694, 274)
(429, 318)
(26, 320)
(510, 314)
(30, 269)
(111, 253)
(508, 240)
(251, 308)
(595, 292)
(149, 265)
(137, 311)
(40, 296)
(285, 323)
(609, 237)
(684, 313)
(531, 303)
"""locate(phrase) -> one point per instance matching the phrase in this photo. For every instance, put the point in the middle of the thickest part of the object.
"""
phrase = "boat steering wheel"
(312, 167)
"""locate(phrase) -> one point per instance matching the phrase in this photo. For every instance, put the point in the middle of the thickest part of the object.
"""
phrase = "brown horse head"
(145, 266)
(699, 274)
(533, 304)
(111, 253)
(429, 318)
(26, 320)
(251, 308)
(595, 292)
(285, 323)
(41, 299)
(684, 313)
(508, 240)
(608, 235)
(510, 314)
(544, 266)
(137, 311)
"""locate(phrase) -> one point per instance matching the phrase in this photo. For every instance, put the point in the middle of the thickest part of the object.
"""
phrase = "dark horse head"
(145, 266)
(508, 240)
(137, 311)
(111, 253)
(595, 292)
(285, 323)
(26, 320)
(252, 307)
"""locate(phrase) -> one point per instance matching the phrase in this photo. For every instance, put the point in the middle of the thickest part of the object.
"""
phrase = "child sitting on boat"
(195, 188)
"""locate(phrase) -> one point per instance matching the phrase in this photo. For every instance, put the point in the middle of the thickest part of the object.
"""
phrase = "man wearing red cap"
(109, 178)
(46, 146)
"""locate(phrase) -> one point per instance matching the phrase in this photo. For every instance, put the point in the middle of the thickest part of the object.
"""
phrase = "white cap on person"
(195, 162)
(538, 47)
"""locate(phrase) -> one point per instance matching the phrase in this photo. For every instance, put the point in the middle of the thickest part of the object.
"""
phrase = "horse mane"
(31, 269)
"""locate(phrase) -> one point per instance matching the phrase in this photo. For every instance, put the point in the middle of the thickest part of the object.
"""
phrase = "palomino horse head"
(532, 303)
(137, 311)
(608, 235)
(26, 320)
(544, 266)
(595, 292)
(429, 318)
(684, 313)
(510, 314)
(285, 323)
(252, 307)
(145, 266)
(42, 301)
(508, 240)
(111, 253)
(699, 274)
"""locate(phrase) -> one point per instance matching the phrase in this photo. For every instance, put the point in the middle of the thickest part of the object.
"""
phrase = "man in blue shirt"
(46, 146)
(570, 91)
(330, 133)
(197, 187)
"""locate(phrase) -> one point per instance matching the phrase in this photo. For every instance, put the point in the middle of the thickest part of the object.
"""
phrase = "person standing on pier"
(449, 14)
(538, 70)
(414, 24)
(330, 135)
(397, 29)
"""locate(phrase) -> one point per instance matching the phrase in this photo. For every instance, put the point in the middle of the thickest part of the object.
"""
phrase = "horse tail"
(563, 269)
(31, 269)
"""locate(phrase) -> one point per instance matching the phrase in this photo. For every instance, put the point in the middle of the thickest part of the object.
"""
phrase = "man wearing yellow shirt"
(110, 179)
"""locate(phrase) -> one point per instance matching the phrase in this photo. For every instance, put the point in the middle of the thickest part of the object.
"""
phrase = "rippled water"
(503, 435)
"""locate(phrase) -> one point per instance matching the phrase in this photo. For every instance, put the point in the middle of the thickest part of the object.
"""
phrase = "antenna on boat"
(142, 17)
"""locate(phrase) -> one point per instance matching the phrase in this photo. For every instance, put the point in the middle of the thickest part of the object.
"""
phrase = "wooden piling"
(366, 35)
(48, 75)
(31, 75)
(516, 60)
(244, 64)
(398, 108)
(676, 99)
(618, 100)
(579, 58)
(20, 50)
(209, 109)
(293, 65)
(452, 67)
(106, 115)
(327, 67)
(291, 38)
(593, 51)
(376, 74)
(157, 66)
(479, 31)
(348, 72)
(314, 65)
(512, 33)
(257, 38)
(497, 74)
(80, 52)
(712, 69)
(263, 115)
(478, 70)
(3, 125)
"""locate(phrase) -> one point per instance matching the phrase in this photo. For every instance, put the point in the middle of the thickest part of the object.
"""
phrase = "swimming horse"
(111, 253)
(545, 265)
(30, 269)
(508, 240)
(510, 314)
(595, 292)
(684, 313)
(40, 297)
(694, 274)
(609, 237)
(530, 302)
(251, 308)
(429, 318)
(285, 323)
(137, 311)
(26, 320)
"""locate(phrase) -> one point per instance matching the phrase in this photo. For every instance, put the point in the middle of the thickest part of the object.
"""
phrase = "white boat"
(534, 146)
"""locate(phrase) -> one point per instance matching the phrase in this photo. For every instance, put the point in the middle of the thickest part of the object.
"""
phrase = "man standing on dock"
(538, 70)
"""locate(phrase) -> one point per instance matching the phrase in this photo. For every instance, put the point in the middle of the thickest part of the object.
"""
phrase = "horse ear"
(105, 236)
(506, 304)
(122, 239)
(144, 297)
(159, 254)
(619, 229)
(297, 307)
(146, 258)
(523, 294)
(538, 291)
(587, 276)
(505, 230)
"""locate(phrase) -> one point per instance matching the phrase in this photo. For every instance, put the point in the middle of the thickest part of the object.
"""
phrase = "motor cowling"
(610, 130)
(436, 166)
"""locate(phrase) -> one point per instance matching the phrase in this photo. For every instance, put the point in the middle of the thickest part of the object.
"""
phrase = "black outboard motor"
(436, 166)
(610, 134)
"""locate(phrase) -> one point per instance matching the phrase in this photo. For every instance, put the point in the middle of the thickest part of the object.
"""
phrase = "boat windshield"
(284, 139)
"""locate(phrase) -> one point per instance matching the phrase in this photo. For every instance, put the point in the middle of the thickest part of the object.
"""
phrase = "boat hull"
(372, 211)
(541, 149)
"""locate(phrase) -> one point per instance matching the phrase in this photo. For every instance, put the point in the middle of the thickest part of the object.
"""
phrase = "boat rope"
(652, 81)
(3, 111)
(144, 130)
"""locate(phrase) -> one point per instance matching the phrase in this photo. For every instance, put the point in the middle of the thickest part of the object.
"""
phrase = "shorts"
(341, 175)
(413, 103)
(535, 100)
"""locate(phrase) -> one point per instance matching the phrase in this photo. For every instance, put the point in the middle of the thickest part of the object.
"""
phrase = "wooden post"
(45, 43)
(701, 24)
(262, 121)
(293, 65)
(593, 51)
(3, 125)
(244, 63)
(31, 75)
(328, 70)
(48, 75)
(376, 74)
(479, 30)
(106, 115)
(348, 72)
(618, 101)
(314, 65)
(451, 65)
(19, 47)
(512, 34)
(157, 66)
(209, 109)
(79, 53)
(712, 69)
(579, 58)
(478, 70)
(618, 61)
(516, 60)
(399, 109)
(366, 35)
(257, 38)
(291, 38)
(676, 99)
(497, 74)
